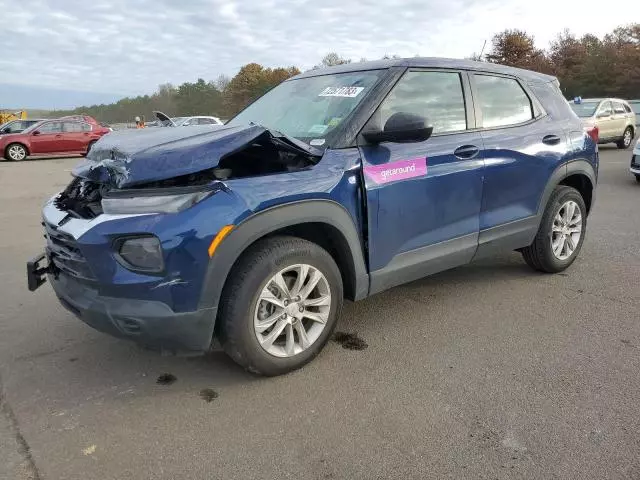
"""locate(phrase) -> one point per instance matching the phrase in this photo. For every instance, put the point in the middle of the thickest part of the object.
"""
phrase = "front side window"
(310, 108)
(605, 109)
(503, 101)
(437, 96)
(50, 127)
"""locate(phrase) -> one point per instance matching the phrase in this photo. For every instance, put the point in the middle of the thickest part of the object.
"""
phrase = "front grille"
(64, 253)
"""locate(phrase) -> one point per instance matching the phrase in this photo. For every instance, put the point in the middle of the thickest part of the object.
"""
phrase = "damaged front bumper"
(147, 322)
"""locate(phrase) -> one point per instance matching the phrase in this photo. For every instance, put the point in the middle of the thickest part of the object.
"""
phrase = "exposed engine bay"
(267, 156)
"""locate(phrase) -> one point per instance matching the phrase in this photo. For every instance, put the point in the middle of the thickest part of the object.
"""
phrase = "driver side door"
(424, 198)
(47, 138)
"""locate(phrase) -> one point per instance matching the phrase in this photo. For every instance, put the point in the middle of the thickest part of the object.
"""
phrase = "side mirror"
(400, 127)
(603, 115)
(37, 132)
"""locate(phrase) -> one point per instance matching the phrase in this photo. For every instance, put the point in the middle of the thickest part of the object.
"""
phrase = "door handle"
(466, 152)
(551, 140)
(58, 136)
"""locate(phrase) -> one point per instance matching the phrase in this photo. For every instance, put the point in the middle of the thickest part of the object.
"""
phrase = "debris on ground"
(208, 395)
(166, 379)
(350, 341)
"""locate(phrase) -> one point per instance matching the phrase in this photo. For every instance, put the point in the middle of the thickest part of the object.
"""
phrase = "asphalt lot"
(487, 371)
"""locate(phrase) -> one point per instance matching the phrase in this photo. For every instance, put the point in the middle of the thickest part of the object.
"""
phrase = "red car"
(52, 137)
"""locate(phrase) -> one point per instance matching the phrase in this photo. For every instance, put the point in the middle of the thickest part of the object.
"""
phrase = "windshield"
(309, 109)
(584, 109)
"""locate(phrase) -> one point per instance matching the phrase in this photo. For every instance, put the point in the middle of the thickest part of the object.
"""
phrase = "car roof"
(593, 100)
(430, 62)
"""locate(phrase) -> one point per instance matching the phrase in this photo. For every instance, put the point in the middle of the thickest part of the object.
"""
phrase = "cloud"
(131, 47)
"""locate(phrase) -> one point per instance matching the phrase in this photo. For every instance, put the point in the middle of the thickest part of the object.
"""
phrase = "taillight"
(593, 132)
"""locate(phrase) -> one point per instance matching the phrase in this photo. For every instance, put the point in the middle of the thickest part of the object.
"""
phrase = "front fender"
(276, 218)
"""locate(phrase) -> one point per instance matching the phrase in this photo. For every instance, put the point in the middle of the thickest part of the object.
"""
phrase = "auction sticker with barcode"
(350, 92)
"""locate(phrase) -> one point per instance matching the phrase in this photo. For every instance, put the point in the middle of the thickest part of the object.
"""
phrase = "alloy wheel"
(17, 152)
(566, 230)
(292, 310)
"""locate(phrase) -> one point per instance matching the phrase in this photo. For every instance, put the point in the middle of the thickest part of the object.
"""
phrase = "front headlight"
(152, 203)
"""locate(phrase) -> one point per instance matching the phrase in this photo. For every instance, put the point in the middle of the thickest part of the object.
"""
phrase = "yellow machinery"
(6, 116)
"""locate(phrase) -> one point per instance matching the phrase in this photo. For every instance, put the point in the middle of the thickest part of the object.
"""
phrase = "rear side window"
(435, 95)
(503, 101)
(618, 107)
(51, 127)
(72, 127)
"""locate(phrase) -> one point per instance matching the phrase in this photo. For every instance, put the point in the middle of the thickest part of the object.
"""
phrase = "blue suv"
(338, 183)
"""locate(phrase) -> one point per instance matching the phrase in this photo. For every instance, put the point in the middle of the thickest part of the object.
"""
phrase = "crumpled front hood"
(131, 157)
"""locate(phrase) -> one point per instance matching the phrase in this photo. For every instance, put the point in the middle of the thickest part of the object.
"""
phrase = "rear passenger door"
(619, 118)
(76, 136)
(522, 148)
(423, 198)
(605, 121)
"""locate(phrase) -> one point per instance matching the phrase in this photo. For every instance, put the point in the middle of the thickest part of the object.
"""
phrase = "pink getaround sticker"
(400, 170)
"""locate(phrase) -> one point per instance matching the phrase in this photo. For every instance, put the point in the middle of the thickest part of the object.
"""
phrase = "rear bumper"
(146, 322)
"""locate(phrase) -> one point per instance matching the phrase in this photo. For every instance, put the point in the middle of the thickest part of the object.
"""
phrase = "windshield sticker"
(316, 142)
(318, 129)
(349, 92)
(400, 170)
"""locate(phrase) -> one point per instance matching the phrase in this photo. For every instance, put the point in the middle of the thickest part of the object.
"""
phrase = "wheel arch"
(324, 222)
(578, 174)
(22, 144)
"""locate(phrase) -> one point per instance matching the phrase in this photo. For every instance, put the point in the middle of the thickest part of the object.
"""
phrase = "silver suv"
(613, 118)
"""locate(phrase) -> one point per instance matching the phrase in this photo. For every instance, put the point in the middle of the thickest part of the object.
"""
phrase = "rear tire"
(247, 323)
(15, 152)
(561, 233)
(626, 140)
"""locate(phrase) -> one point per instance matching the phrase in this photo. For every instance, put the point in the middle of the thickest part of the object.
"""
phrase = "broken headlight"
(152, 203)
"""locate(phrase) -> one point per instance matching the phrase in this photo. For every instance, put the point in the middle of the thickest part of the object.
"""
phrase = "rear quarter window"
(503, 101)
(552, 100)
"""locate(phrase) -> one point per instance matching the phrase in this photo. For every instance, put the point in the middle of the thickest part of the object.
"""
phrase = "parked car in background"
(166, 121)
(52, 137)
(17, 126)
(88, 119)
(635, 106)
(635, 161)
(198, 120)
(611, 120)
(338, 183)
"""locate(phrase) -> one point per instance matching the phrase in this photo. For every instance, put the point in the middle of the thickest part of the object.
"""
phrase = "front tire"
(627, 138)
(638, 178)
(280, 305)
(15, 152)
(561, 233)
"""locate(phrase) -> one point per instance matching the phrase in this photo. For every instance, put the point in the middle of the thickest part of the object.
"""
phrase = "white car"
(166, 121)
(635, 161)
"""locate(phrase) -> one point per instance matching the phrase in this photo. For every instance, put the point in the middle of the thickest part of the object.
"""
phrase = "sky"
(63, 53)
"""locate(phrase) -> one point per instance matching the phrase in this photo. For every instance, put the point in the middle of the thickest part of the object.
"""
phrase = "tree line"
(586, 66)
